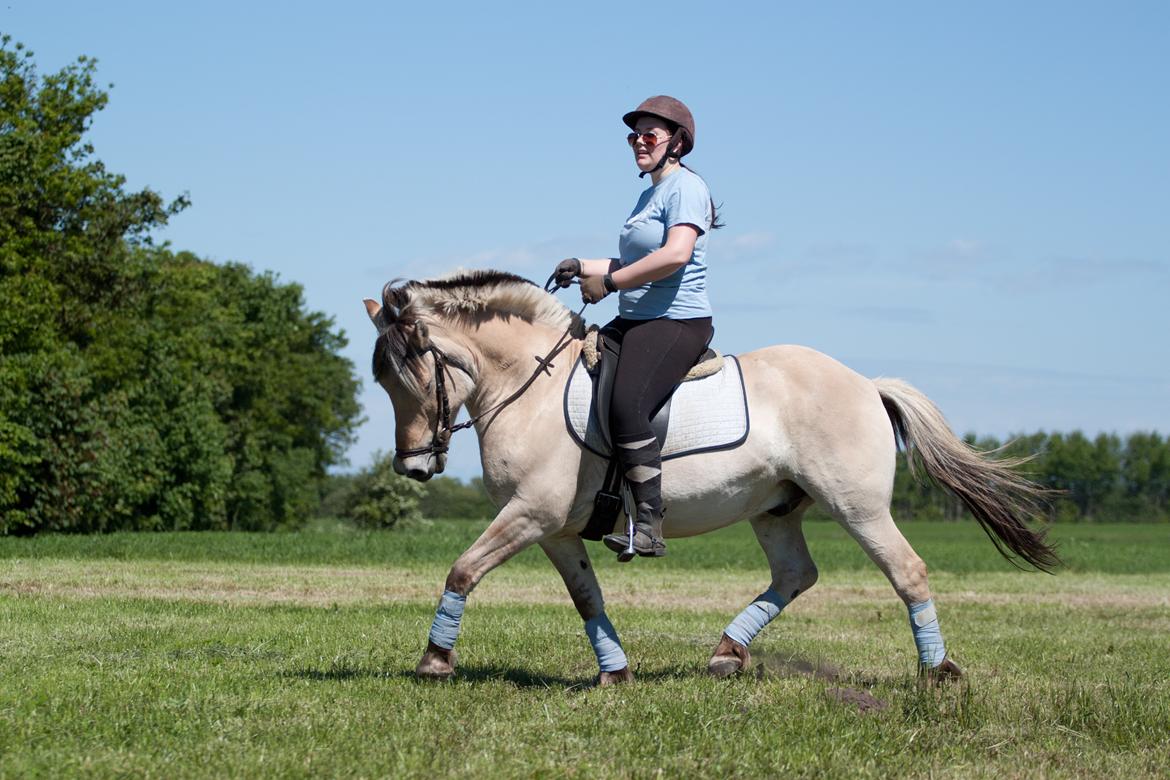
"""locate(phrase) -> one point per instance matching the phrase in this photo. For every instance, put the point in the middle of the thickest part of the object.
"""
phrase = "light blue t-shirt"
(680, 198)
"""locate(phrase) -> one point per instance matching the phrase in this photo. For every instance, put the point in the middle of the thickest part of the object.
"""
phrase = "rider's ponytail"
(715, 223)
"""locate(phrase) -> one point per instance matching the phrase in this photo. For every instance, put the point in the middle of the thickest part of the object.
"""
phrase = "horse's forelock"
(394, 300)
(393, 352)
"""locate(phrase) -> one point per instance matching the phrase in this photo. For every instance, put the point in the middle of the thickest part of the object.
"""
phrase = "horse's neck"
(507, 353)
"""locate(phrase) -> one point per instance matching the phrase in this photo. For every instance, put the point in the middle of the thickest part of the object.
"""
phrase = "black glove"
(594, 288)
(566, 271)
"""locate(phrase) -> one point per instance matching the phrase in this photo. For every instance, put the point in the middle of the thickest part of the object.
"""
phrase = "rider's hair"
(684, 141)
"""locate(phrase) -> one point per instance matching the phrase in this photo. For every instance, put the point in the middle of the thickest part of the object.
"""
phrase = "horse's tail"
(1001, 500)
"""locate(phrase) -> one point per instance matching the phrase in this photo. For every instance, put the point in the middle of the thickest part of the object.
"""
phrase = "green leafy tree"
(381, 498)
(140, 388)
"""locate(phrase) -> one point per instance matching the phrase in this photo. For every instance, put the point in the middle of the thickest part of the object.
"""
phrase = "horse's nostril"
(418, 474)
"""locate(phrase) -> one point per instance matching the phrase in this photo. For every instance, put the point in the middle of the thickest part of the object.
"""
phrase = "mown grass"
(193, 655)
(952, 547)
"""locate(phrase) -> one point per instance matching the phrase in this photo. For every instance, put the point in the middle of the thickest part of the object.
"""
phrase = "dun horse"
(819, 433)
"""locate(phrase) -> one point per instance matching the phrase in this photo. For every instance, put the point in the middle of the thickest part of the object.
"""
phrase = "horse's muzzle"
(420, 467)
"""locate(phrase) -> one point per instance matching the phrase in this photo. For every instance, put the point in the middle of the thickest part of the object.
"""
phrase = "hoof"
(615, 678)
(724, 666)
(729, 658)
(436, 664)
(946, 672)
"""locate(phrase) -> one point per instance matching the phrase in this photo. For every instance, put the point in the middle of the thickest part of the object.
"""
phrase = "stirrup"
(639, 539)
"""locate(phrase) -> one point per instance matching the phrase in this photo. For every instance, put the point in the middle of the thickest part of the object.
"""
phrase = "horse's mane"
(461, 298)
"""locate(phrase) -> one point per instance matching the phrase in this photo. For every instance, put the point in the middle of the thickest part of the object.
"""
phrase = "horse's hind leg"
(887, 547)
(793, 572)
(567, 553)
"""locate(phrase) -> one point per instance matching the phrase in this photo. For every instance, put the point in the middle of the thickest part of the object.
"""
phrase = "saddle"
(601, 358)
(707, 411)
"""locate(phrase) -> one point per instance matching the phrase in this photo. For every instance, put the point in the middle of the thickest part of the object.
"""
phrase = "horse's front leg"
(568, 554)
(513, 529)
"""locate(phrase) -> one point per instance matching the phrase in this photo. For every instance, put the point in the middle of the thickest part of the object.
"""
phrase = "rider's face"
(644, 156)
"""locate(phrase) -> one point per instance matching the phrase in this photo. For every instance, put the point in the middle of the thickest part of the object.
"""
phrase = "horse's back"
(829, 417)
(801, 375)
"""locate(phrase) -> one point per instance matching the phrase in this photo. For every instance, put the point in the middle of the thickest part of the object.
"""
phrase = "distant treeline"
(1103, 479)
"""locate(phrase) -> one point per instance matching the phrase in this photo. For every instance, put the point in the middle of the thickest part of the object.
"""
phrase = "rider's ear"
(373, 308)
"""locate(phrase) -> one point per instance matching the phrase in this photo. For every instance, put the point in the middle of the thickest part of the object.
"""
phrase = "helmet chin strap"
(661, 162)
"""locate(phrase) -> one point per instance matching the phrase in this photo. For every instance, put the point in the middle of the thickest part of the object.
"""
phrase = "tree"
(381, 498)
(140, 388)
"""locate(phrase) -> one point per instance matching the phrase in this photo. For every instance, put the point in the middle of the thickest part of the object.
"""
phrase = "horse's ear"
(373, 308)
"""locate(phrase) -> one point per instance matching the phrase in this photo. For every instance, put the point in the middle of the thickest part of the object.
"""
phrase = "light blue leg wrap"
(928, 637)
(603, 637)
(445, 629)
(758, 614)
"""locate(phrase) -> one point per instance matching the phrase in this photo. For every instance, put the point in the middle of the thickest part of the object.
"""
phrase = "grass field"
(189, 655)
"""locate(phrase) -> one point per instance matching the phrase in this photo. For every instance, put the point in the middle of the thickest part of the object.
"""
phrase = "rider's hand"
(566, 271)
(593, 288)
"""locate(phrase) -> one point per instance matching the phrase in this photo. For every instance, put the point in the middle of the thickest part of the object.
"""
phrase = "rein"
(443, 427)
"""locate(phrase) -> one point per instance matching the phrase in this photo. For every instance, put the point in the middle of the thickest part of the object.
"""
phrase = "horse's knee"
(461, 579)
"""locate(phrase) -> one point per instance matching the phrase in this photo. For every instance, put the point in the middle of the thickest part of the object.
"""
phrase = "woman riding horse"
(664, 317)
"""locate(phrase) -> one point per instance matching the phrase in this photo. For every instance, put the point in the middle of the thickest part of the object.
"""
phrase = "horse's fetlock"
(437, 663)
(620, 677)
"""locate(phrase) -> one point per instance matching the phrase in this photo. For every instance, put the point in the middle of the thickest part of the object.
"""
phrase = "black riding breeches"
(655, 356)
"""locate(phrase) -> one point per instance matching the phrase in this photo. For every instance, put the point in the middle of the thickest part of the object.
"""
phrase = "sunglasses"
(650, 140)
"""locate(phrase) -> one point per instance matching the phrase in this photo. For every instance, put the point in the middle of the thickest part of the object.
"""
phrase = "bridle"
(443, 429)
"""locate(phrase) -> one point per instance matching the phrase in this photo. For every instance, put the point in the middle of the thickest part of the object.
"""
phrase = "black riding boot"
(642, 460)
(647, 539)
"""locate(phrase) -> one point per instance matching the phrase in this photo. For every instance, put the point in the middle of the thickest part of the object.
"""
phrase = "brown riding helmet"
(670, 109)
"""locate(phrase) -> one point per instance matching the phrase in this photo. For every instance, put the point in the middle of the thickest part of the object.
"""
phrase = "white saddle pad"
(705, 414)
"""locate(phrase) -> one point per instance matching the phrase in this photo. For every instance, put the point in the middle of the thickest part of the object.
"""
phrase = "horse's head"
(417, 374)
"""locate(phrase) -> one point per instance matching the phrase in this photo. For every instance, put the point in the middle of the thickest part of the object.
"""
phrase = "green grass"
(193, 655)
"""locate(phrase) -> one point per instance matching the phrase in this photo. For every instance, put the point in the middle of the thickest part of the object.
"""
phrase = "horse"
(820, 433)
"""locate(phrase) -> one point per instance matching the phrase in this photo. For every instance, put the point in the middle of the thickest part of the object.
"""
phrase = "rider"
(664, 317)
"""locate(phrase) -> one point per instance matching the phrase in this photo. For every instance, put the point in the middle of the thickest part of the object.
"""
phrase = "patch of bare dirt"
(862, 701)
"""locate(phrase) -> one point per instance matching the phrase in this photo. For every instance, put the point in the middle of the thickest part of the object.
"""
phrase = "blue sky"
(973, 197)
